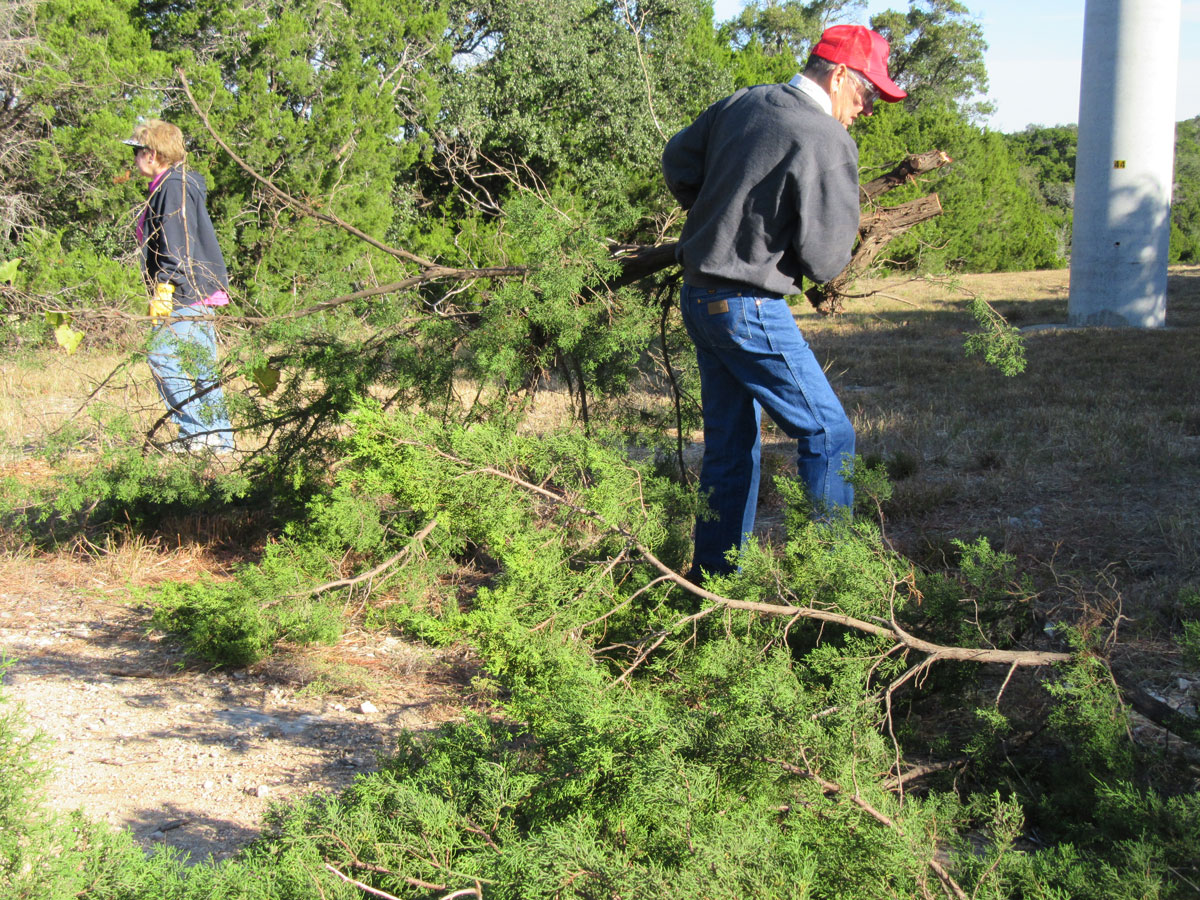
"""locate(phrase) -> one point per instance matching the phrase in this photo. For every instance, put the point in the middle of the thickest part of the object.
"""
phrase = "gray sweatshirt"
(770, 183)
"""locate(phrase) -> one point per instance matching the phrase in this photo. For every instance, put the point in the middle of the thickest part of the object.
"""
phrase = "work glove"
(162, 301)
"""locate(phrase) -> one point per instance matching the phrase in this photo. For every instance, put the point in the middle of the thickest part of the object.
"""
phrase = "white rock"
(368, 708)
(262, 791)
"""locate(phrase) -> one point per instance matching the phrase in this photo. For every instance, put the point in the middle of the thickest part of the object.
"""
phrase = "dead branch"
(905, 172)
(877, 227)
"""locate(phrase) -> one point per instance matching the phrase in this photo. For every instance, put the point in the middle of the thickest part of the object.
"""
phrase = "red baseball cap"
(863, 50)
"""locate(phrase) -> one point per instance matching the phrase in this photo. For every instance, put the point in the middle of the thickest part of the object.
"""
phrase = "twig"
(579, 628)
(677, 395)
(637, 45)
(88, 399)
(1007, 679)
(645, 652)
(831, 787)
(366, 887)
(381, 870)
(365, 576)
(1174, 871)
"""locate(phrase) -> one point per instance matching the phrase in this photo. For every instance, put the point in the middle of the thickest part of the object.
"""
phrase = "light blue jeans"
(752, 357)
(183, 358)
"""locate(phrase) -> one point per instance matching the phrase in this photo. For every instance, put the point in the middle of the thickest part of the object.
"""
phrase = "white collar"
(810, 88)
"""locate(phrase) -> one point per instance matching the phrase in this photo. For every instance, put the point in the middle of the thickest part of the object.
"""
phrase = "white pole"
(1123, 168)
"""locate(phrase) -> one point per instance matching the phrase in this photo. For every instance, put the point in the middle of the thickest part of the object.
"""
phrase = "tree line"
(423, 122)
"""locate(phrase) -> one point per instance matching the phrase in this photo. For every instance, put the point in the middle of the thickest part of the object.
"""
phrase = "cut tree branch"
(893, 631)
(877, 226)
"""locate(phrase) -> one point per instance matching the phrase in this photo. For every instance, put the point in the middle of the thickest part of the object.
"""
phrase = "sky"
(1034, 52)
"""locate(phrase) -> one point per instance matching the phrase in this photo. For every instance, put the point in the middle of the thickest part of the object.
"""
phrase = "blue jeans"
(183, 359)
(753, 357)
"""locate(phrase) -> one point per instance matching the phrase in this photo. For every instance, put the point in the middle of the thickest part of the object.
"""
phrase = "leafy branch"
(892, 630)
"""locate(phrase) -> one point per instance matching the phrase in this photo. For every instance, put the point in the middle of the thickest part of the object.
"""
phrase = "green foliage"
(578, 96)
(1090, 716)
(1185, 198)
(680, 772)
(43, 855)
(996, 341)
(21, 776)
(936, 55)
(771, 40)
(992, 219)
(1047, 158)
(641, 744)
(239, 621)
(982, 601)
(1189, 639)
(123, 480)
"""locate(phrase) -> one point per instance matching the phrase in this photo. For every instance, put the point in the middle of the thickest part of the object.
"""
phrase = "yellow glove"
(163, 300)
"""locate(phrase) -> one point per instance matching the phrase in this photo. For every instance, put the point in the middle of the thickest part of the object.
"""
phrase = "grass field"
(1086, 466)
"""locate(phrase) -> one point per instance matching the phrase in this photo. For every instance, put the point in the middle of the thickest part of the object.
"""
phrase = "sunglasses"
(867, 92)
(137, 150)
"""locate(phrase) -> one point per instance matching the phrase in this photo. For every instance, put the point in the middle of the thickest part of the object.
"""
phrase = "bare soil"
(186, 757)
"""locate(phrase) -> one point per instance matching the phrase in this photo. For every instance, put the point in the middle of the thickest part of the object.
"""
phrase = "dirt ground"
(186, 757)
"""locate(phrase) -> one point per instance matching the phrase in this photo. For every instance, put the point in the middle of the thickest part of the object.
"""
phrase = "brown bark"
(877, 228)
(904, 171)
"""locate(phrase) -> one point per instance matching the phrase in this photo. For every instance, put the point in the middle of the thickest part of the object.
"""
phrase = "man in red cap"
(769, 177)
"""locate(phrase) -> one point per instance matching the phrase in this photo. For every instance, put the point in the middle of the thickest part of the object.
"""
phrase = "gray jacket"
(179, 244)
(770, 183)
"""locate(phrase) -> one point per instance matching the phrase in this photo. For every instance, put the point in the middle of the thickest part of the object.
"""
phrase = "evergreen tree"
(771, 39)
(937, 55)
(992, 219)
(1185, 198)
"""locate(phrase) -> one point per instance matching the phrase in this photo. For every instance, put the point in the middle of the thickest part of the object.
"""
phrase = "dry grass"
(43, 394)
(1090, 458)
